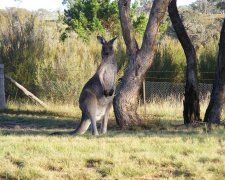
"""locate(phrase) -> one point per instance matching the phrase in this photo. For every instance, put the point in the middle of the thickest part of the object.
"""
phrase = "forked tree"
(191, 111)
(139, 61)
(214, 109)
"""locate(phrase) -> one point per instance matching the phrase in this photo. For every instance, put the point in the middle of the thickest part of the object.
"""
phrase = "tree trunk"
(126, 101)
(191, 111)
(214, 109)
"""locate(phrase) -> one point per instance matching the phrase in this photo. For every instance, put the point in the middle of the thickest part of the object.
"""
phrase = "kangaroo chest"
(107, 73)
(109, 76)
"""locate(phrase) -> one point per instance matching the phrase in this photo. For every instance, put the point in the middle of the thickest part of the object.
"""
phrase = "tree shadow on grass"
(171, 129)
(39, 113)
(44, 123)
(34, 122)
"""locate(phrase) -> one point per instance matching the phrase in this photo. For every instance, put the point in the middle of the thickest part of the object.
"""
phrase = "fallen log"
(26, 92)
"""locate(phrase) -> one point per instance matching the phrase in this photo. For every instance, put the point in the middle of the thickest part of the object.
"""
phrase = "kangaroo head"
(107, 47)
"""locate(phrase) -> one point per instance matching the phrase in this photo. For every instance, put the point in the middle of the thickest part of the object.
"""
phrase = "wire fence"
(64, 86)
(168, 89)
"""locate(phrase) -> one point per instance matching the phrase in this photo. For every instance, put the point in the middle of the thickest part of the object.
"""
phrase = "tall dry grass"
(169, 107)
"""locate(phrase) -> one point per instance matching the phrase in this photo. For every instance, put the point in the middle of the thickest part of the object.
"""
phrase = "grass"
(163, 149)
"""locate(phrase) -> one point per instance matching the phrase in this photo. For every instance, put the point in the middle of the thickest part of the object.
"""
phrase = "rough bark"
(191, 111)
(139, 61)
(214, 109)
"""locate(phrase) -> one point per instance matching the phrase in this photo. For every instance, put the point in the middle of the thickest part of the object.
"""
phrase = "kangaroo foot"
(95, 133)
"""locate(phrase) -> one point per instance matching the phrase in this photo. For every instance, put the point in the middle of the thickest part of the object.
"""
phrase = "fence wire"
(169, 89)
(64, 85)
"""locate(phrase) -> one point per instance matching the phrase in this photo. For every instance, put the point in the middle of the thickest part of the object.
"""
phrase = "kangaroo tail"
(59, 133)
(81, 129)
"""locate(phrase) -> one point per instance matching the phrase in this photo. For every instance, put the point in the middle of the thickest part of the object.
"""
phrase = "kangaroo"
(97, 94)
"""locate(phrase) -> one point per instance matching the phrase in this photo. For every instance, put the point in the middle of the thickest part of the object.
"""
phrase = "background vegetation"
(54, 55)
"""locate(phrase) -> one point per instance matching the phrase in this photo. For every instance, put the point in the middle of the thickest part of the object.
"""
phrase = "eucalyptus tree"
(191, 111)
(139, 60)
(214, 109)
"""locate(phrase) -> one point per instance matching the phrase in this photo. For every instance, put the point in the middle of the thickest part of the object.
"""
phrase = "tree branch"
(156, 15)
(26, 92)
(180, 30)
(127, 29)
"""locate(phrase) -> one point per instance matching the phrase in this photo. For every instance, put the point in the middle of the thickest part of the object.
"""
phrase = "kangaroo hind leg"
(88, 106)
(105, 119)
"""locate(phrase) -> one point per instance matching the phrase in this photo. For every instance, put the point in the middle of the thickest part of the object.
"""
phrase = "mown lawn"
(161, 150)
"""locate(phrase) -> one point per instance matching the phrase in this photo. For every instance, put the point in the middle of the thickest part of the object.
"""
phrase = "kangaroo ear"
(101, 40)
(112, 41)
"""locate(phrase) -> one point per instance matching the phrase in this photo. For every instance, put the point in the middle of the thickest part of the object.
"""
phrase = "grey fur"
(97, 94)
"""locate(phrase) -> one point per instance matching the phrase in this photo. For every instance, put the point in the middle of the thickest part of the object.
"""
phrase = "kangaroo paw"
(105, 92)
(111, 92)
(108, 93)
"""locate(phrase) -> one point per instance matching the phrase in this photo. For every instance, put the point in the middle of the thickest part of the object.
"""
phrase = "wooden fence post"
(144, 97)
(2, 87)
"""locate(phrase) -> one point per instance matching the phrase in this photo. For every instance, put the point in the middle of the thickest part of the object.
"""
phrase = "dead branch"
(26, 92)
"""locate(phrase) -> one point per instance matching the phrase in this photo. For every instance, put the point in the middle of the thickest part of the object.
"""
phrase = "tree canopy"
(100, 16)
